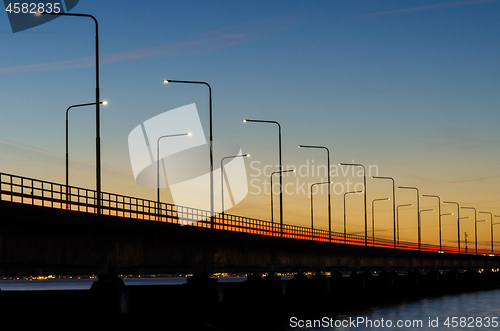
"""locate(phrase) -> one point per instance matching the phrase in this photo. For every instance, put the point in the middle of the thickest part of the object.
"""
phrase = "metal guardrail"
(48, 194)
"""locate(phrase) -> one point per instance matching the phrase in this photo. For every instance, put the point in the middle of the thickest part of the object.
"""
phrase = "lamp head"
(247, 155)
(104, 103)
(245, 120)
(165, 81)
(189, 134)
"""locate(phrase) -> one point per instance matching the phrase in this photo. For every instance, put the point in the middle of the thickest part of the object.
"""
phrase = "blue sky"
(409, 86)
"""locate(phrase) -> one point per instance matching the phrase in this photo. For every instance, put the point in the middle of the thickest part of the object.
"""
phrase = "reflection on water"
(468, 311)
(85, 284)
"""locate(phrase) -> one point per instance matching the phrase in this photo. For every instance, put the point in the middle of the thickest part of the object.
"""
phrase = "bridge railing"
(48, 194)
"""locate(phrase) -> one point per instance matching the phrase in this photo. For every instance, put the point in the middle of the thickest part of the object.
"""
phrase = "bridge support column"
(206, 289)
(109, 295)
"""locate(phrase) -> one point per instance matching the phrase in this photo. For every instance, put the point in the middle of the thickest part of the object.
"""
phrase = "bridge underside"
(40, 240)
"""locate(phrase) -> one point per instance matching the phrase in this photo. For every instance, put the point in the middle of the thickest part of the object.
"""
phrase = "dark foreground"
(257, 303)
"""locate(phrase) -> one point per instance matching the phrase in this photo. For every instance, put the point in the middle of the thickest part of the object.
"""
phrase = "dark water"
(85, 284)
(469, 311)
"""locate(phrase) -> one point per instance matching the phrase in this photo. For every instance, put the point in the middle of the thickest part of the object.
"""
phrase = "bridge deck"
(43, 230)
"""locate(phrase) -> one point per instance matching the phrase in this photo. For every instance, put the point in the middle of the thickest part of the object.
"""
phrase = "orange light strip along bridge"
(37, 192)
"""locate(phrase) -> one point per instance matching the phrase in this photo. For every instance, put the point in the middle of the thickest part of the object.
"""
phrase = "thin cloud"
(445, 5)
(474, 179)
(60, 156)
(201, 43)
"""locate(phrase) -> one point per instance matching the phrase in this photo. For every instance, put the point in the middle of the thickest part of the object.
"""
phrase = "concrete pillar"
(109, 295)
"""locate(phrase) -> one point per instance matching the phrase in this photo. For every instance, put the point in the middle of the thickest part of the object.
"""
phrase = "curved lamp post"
(158, 166)
(406, 205)
(492, 233)
(458, 223)
(419, 228)
(312, 185)
(475, 224)
(373, 217)
(364, 196)
(272, 207)
(439, 215)
(491, 227)
(280, 166)
(166, 81)
(222, 177)
(97, 104)
(345, 223)
(329, 188)
(393, 203)
(67, 140)
(418, 209)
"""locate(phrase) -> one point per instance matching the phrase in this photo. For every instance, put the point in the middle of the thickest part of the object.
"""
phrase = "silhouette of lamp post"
(312, 185)
(67, 143)
(475, 224)
(97, 103)
(373, 217)
(393, 203)
(166, 81)
(280, 166)
(272, 204)
(329, 188)
(491, 227)
(364, 194)
(158, 166)
(458, 222)
(419, 228)
(492, 233)
(418, 210)
(439, 214)
(222, 178)
(406, 205)
(345, 223)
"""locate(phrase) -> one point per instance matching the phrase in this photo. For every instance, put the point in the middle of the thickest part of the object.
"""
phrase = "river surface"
(468, 311)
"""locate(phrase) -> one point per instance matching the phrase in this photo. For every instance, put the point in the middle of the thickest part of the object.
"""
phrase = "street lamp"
(67, 143)
(158, 166)
(364, 196)
(492, 233)
(373, 217)
(419, 238)
(280, 166)
(97, 103)
(406, 205)
(440, 228)
(475, 224)
(458, 222)
(272, 207)
(466, 248)
(491, 227)
(312, 185)
(439, 212)
(329, 188)
(418, 208)
(345, 228)
(393, 203)
(166, 81)
(222, 178)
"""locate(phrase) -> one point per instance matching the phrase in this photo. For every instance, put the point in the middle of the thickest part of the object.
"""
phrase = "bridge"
(47, 228)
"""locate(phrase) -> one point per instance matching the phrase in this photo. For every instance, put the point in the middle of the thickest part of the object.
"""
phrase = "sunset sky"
(407, 88)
